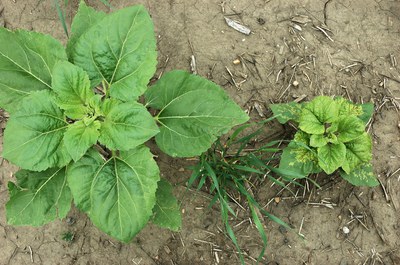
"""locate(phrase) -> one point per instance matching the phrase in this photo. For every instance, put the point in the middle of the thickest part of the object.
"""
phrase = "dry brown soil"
(357, 60)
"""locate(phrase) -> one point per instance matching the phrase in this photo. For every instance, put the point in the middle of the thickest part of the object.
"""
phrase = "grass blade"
(229, 230)
(248, 169)
(61, 15)
(261, 231)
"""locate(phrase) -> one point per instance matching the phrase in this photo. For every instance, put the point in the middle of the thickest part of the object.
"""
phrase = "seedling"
(68, 236)
(77, 130)
(331, 136)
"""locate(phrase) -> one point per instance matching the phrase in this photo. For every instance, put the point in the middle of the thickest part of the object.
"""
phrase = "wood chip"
(259, 109)
(193, 66)
(301, 19)
(236, 62)
(237, 26)
(297, 27)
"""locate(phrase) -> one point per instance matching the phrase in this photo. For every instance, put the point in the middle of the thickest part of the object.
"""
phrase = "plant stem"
(104, 84)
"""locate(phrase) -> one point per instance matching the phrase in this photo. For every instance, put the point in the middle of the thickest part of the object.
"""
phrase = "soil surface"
(297, 50)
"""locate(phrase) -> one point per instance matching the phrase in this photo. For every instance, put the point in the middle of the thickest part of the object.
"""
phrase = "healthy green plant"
(228, 167)
(68, 236)
(331, 136)
(77, 129)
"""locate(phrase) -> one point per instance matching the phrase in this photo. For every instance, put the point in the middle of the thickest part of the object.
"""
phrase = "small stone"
(236, 62)
(70, 220)
(295, 83)
(282, 229)
(260, 21)
(345, 230)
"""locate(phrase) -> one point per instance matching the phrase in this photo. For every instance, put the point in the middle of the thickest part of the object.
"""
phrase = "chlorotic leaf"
(118, 194)
(72, 86)
(33, 137)
(126, 125)
(79, 137)
(299, 159)
(331, 157)
(26, 63)
(120, 49)
(38, 197)
(287, 111)
(358, 151)
(193, 113)
(166, 211)
(83, 20)
(347, 108)
(362, 175)
(318, 140)
(317, 113)
(349, 128)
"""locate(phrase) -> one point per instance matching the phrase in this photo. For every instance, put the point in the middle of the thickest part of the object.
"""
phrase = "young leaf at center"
(72, 86)
(80, 136)
(331, 157)
(126, 125)
(317, 113)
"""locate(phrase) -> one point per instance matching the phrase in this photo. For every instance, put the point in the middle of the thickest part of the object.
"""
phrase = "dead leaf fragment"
(237, 26)
(301, 19)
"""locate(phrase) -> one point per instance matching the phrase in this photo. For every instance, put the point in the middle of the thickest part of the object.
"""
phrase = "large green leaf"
(193, 113)
(83, 20)
(349, 128)
(121, 50)
(33, 137)
(118, 194)
(362, 175)
(72, 86)
(287, 111)
(317, 114)
(166, 211)
(331, 157)
(80, 136)
(26, 63)
(38, 197)
(358, 151)
(126, 125)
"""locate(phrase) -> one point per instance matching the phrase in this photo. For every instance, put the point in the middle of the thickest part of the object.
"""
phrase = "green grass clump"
(228, 167)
